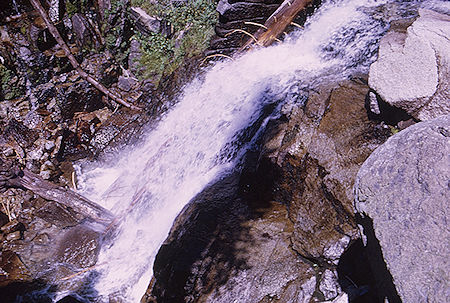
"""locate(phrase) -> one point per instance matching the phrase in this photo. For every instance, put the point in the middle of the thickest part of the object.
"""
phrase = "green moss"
(394, 129)
(71, 8)
(7, 88)
(163, 55)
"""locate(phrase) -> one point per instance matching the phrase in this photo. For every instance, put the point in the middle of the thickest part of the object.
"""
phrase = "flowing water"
(198, 140)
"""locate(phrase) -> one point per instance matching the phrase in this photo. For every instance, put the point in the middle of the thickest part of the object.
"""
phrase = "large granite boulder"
(403, 188)
(413, 68)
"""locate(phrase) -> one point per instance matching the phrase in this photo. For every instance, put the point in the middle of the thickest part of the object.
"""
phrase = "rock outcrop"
(292, 204)
(413, 67)
(403, 189)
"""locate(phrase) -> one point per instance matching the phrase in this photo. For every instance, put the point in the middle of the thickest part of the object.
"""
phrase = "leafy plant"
(192, 23)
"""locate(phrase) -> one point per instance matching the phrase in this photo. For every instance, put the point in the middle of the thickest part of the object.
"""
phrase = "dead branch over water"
(277, 23)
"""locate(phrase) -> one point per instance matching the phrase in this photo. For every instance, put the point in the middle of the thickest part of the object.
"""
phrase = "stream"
(206, 133)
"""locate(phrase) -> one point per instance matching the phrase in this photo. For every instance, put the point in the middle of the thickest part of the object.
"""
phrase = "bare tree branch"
(277, 22)
(54, 31)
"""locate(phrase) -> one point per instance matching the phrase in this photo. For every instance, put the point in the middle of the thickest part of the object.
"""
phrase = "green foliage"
(192, 24)
(9, 90)
(76, 6)
(5, 76)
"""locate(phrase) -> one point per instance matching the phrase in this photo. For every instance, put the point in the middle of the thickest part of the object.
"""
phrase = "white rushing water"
(149, 185)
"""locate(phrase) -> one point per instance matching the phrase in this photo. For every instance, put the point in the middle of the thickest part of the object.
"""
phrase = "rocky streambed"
(283, 227)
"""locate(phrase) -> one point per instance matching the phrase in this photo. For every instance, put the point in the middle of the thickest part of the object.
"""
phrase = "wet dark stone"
(71, 148)
(79, 247)
(3, 219)
(25, 292)
(81, 97)
(57, 215)
(14, 267)
(46, 94)
(24, 136)
(45, 40)
(70, 299)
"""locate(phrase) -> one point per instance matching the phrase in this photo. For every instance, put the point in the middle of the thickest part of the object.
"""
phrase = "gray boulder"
(413, 67)
(403, 187)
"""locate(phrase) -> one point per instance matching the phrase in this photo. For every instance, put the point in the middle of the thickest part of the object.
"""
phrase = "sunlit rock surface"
(402, 191)
(413, 67)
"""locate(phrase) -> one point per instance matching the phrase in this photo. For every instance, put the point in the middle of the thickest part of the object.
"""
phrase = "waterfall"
(197, 140)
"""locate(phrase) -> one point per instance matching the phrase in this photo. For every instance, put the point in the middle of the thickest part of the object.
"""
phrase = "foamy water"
(149, 185)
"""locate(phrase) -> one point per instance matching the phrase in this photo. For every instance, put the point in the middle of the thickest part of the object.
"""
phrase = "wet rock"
(402, 193)
(220, 249)
(232, 11)
(57, 215)
(12, 226)
(81, 29)
(315, 156)
(233, 15)
(79, 247)
(24, 136)
(293, 203)
(71, 147)
(80, 97)
(12, 268)
(412, 55)
(14, 236)
(3, 219)
(149, 24)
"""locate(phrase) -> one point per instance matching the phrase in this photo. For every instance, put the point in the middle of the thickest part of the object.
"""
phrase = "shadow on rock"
(384, 286)
(202, 250)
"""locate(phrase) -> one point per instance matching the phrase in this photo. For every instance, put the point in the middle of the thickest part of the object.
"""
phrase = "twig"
(254, 23)
(297, 25)
(215, 55)
(38, 7)
(243, 31)
(7, 210)
(79, 273)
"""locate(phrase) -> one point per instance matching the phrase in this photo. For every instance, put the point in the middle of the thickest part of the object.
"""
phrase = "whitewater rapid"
(148, 185)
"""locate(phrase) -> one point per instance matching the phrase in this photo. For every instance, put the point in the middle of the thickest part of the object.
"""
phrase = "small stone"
(42, 239)
(35, 154)
(13, 236)
(11, 226)
(126, 84)
(48, 165)
(49, 146)
(45, 174)
(9, 152)
(329, 285)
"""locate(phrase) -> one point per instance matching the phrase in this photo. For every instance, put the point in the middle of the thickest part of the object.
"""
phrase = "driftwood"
(277, 23)
(12, 176)
(54, 31)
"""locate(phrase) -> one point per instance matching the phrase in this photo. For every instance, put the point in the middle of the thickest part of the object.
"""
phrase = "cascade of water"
(149, 185)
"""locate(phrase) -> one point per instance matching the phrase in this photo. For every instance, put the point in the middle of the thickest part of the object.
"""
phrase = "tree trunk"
(12, 176)
(277, 22)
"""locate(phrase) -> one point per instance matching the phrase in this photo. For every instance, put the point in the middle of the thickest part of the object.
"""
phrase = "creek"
(206, 133)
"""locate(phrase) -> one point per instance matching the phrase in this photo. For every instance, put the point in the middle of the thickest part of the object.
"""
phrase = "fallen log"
(54, 31)
(12, 176)
(277, 23)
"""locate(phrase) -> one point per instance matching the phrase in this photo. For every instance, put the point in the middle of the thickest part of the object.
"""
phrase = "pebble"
(49, 146)
(13, 236)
